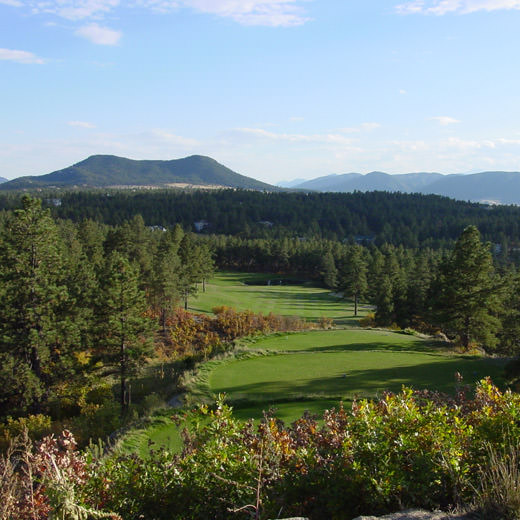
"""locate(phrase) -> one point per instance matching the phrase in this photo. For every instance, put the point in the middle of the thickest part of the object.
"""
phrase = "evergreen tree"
(123, 332)
(469, 296)
(353, 275)
(385, 302)
(165, 288)
(329, 272)
(36, 336)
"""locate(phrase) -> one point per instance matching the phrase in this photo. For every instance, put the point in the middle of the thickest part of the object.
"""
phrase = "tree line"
(465, 292)
(411, 220)
(76, 302)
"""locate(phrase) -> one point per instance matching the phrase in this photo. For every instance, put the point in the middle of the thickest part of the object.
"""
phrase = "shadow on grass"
(439, 375)
(413, 346)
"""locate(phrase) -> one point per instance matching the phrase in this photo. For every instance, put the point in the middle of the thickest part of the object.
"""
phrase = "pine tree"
(353, 275)
(123, 332)
(469, 295)
(165, 288)
(36, 335)
(385, 302)
(329, 272)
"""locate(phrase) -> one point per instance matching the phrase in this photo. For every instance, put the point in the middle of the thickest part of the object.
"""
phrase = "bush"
(410, 449)
(35, 426)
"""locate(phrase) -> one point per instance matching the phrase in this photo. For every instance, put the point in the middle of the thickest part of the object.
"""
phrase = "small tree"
(353, 275)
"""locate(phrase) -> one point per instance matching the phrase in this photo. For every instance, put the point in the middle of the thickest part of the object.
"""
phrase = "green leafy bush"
(410, 449)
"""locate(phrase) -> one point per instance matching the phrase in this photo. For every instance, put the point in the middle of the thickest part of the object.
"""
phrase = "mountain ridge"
(112, 171)
(499, 187)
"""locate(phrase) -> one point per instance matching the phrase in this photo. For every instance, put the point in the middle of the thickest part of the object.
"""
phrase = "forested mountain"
(2, 179)
(379, 217)
(109, 170)
(497, 187)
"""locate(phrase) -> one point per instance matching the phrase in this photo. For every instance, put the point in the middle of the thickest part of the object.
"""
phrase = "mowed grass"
(345, 339)
(311, 370)
(316, 368)
(304, 300)
(344, 374)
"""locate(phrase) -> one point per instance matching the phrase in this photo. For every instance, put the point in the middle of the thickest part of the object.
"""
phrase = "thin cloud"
(363, 127)
(441, 7)
(25, 57)
(445, 120)
(81, 124)
(99, 35)
(273, 13)
(297, 138)
(74, 9)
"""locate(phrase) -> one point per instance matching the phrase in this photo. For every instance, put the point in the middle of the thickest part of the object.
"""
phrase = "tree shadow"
(439, 375)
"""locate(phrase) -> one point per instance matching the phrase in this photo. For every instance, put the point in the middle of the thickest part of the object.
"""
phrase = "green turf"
(310, 370)
(305, 301)
(339, 340)
(343, 374)
(159, 432)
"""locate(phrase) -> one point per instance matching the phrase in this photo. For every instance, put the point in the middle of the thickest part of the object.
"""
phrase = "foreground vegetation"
(418, 449)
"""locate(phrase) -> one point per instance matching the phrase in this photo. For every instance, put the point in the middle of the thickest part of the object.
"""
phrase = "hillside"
(109, 170)
(2, 179)
(495, 187)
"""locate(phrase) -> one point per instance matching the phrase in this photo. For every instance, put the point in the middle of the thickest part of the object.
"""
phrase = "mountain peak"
(111, 170)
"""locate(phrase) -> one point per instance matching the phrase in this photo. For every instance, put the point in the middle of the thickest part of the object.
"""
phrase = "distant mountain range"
(112, 171)
(2, 179)
(489, 187)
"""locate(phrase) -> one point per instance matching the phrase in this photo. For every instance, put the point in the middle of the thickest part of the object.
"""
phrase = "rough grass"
(304, 301)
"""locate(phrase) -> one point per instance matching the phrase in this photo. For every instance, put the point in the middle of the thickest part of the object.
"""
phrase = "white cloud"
(441, 7)
(297, 138)
(366, 127)
(296, 119)
(99, 35)
(170, 138)
(403, 92)
(445, 120)
(81, 124)
(74, 9)
(274, 13)
(20, 56)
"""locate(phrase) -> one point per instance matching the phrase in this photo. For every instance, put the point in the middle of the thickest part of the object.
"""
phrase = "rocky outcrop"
(415, 514)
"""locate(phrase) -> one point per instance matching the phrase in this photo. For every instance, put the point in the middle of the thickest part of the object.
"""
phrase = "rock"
(416, 514)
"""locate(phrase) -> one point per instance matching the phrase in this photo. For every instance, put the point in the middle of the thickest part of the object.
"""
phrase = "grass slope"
(305, 301)
(312, 370)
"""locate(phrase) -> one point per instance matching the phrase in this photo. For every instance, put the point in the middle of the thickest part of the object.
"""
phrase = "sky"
(273, 89)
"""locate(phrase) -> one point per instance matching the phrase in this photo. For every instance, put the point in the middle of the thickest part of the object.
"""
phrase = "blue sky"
(274, 89)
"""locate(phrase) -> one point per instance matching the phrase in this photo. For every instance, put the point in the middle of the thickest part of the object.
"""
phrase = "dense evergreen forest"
(79, 296)
(87, 305)
(400, 219)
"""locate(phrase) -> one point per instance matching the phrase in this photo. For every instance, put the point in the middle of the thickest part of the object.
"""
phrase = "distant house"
(157, 228)
(53, 202)
(266, 223)
(364, 239)
(200, 225)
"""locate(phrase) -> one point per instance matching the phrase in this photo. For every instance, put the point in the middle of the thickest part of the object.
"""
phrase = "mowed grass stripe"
(345, 374)
(310, 303)
(339, 340)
